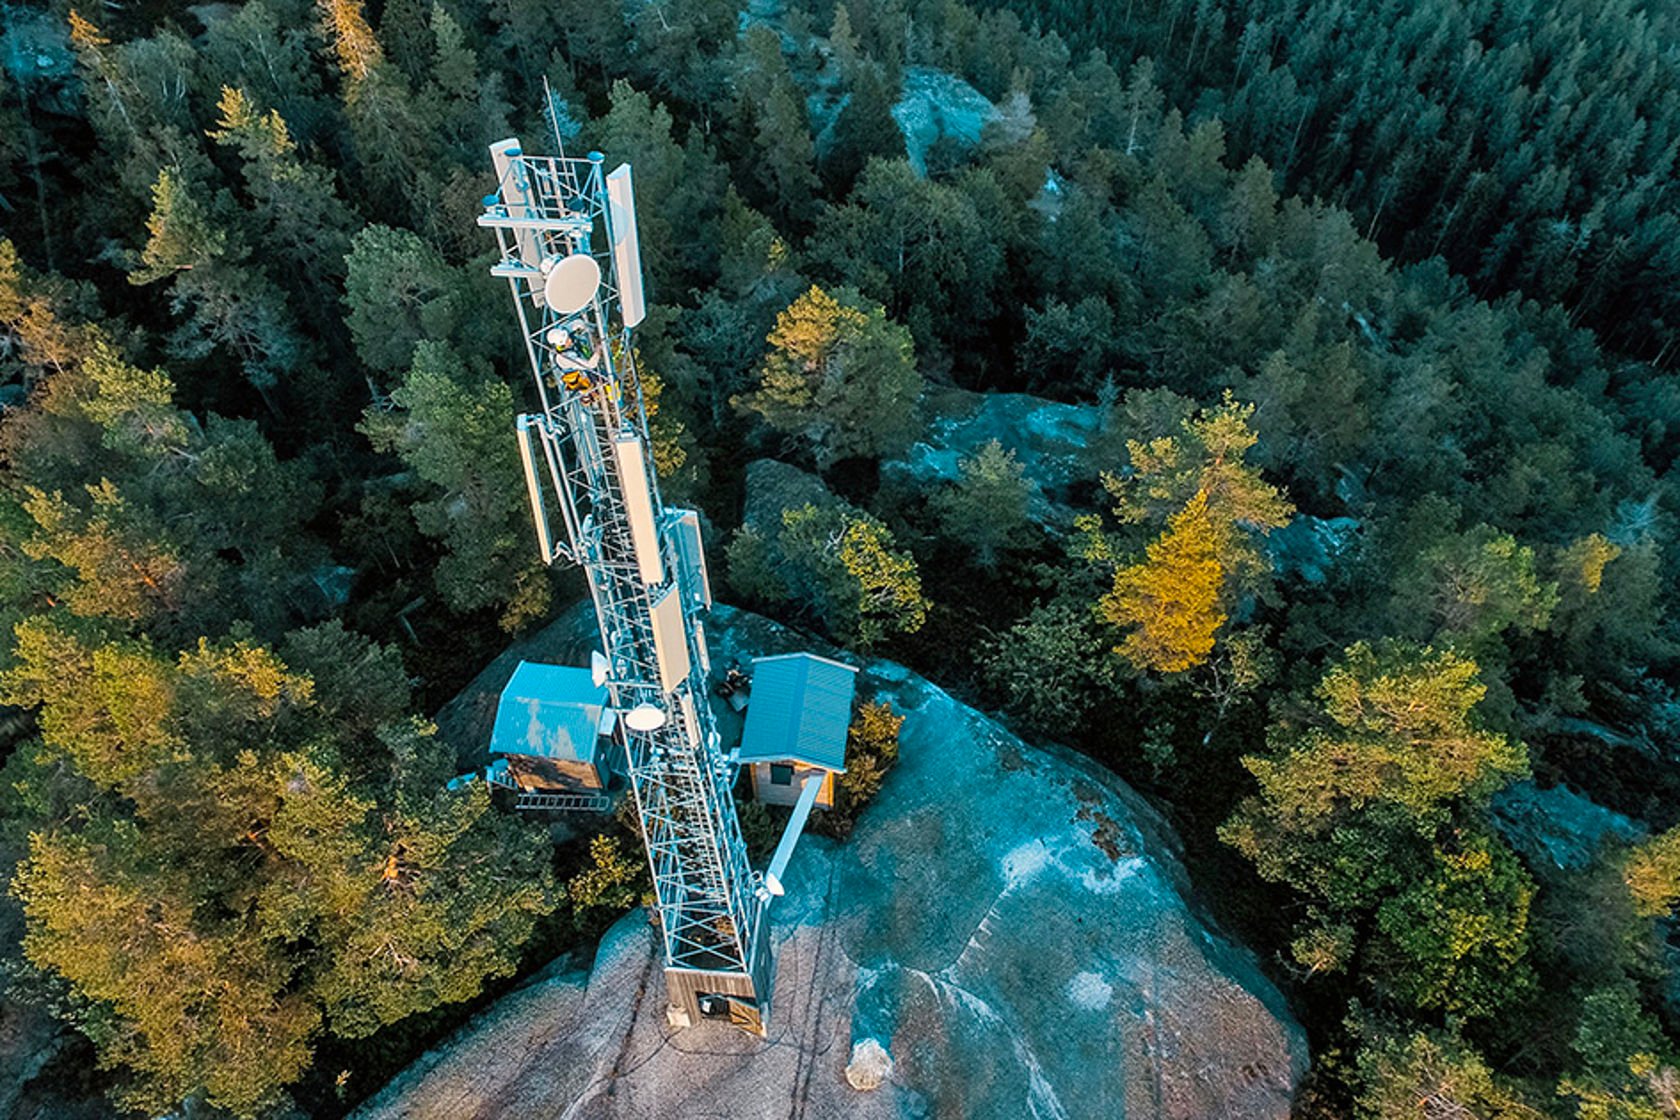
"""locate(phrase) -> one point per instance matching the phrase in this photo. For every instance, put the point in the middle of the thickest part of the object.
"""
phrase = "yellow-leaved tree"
(839, 379)
(1171, 601)
(1213, 504)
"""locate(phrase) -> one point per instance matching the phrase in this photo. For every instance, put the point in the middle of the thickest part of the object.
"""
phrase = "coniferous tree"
(986, 508)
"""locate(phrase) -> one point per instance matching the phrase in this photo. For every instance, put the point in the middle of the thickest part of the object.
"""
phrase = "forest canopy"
(1370, 319)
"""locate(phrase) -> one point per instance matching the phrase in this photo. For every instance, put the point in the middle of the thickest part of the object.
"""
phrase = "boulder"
(1058, 444)
(935, 105)
(870, 1066)
(1308, 547)
(1557, 828)
(773, 486)
(1007, 933)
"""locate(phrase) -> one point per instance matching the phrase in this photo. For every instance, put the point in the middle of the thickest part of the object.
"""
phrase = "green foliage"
(1171, 602)
(865, 129)
(399, 292)
(295, 201)
(1205, 456)
(1454, 938)
(758, 829)
(871, 750)
(180, 233)
(230, 304)
(1652, 873)
(1621, 1069)
(450, 427)
(1176, 600)
(838, 563)
(1524, 159)
(1422, 1076)
(1398, 733)
(116, 563)
(614, 881)
(986, 508)
(924, 250)
(241, 893)
(679, 187)
(1466, 589)
(1357, 811)
(840, 378)
(192, 538)
(1051, 667)
(1245, 662)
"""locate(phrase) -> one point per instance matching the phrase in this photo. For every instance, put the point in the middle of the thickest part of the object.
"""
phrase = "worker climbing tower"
(567, 234)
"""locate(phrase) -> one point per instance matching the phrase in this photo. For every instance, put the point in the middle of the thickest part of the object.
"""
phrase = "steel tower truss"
(587, 454)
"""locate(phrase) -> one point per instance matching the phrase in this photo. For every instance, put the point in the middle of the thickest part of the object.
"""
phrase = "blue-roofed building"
(550, 725)
(797, 720)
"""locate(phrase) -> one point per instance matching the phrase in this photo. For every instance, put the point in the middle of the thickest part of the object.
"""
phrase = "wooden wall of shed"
(559, 775)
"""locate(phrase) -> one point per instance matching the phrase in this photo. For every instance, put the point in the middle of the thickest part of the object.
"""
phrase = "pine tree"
(238, 893)
(296, 202)
(450, 426)
(231, 304)
(840, 564)
(1206, 456)
(180, 233)
(1424, 1075)
(864, 130)
(1370, 810)
(986, 509)
(399, 291)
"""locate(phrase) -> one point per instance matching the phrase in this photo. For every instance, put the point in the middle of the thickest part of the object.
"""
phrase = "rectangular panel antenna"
(691, 557)
(525, 427)
(627, 250)
(638, 504)
(515, 189)
(670, 642)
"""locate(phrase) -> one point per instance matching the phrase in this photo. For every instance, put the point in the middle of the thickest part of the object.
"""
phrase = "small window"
(781, 774)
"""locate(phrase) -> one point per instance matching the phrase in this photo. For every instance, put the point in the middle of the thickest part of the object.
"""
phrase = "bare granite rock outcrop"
(1006, 934)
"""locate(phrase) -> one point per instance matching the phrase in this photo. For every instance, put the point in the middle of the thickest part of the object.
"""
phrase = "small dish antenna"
(571, 284)
(599, 667)
(645, 717)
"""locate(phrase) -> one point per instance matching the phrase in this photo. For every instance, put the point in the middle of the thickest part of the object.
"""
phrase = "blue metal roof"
(800, 709)
(549, 711)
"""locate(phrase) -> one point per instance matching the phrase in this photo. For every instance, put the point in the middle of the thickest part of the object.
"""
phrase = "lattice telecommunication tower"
(567, 233)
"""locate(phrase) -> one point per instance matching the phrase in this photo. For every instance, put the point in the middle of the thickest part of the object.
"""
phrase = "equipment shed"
(549, 725)
(797, 720)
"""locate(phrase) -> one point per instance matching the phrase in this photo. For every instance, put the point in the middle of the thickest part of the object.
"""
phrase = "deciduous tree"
(840, 378)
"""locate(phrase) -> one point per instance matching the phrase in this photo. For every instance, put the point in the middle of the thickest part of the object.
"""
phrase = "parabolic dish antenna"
(644, 717)
(571, 284)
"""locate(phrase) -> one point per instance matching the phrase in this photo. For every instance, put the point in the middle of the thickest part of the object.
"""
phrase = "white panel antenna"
(626, 247)
(638, 504)
(514, 189)
(670, 640)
